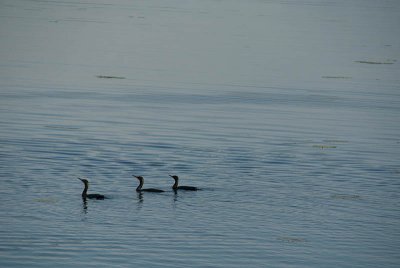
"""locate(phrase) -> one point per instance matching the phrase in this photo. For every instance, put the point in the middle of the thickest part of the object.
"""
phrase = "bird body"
(90, 196)
(185, 188)
(141, 182)
(95, 196)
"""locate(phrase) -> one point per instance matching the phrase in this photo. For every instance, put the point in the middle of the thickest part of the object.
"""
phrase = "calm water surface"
(285, 114)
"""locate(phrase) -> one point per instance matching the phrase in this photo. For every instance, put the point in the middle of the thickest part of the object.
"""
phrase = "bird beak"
(79, 179)
(135, 176)
(170, 176)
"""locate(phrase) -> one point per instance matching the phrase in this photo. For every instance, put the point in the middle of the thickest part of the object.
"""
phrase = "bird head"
(138, 177)
(85, 181)
(174, 177)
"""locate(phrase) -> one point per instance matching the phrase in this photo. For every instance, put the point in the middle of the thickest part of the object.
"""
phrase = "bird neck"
(140, 185)
(84, 193)
(175, 186)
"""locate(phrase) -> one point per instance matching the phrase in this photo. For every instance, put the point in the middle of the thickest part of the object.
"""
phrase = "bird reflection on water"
(84, 206)
(140, 197)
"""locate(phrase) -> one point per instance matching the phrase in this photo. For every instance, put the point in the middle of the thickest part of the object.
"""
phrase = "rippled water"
(284, 113)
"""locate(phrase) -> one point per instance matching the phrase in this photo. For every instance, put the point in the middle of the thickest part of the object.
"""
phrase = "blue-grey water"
(285, 114)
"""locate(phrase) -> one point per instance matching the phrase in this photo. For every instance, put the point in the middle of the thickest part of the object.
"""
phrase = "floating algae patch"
(321, 146)
(48, 200)
(346, 196)
(61, 127)
(336, 77)
(376, 62)
(110, 77)
(336, 141)
(290, 239)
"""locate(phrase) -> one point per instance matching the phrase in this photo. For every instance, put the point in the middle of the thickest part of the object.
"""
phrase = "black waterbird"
(186, 188)
(90, 196)
(139, 188)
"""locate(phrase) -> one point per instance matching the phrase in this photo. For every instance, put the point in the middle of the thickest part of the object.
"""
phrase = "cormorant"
(90, 196)
(176, 187)
(139, 188)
